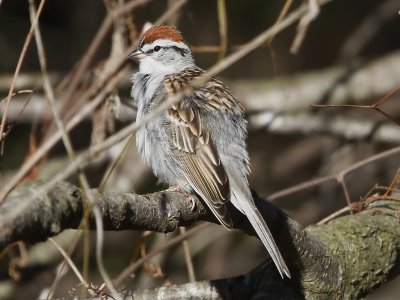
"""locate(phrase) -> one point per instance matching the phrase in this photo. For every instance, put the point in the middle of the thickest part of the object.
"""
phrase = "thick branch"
(63, 208)
(347, 258)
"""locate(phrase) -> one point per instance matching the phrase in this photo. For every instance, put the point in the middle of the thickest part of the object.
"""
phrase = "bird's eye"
(156, 48)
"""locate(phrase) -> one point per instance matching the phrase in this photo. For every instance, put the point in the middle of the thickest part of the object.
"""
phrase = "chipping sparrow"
(198, 144)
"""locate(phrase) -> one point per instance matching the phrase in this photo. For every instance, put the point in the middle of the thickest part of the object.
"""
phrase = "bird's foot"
(192, 202)
(174, 188)
(192, 199)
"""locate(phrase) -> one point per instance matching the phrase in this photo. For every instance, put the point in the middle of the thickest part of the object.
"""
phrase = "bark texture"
(347, 258)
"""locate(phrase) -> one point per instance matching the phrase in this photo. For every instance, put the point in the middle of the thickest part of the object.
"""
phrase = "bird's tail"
(243, 200)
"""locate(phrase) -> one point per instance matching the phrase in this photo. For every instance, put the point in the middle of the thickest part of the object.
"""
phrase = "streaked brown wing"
(200, 161)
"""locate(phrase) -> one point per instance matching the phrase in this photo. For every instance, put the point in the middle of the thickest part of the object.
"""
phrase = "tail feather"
(242, 199)
(265, 235)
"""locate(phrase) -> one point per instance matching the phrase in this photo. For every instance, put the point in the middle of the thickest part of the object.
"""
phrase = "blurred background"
(349, 55)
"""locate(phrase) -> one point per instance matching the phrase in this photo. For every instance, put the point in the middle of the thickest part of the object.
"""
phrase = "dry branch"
(346, 258)
(276, 105)
(354, 83)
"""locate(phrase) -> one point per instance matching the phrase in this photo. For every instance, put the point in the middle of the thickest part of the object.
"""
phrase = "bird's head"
(162, 50)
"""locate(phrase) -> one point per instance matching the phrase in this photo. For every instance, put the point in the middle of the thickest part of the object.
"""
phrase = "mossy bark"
(347, 258)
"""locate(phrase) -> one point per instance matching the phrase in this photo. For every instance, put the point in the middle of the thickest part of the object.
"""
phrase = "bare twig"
(61, 269)
(341, 180)
(334, 177)
(335, 215)
(171, 242)
(95, 44)
(46, 82)
(282, 14)
(71, 153)
(374, 106)
(223, 27)
(171, 11)
(15, 117)
(393, 184)
(18, 68)
(69, 261)
(188, 256)
(312, 13)
(99, 251)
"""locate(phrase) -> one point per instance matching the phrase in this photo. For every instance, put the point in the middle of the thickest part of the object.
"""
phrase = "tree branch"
(348, 257)
(276, 108)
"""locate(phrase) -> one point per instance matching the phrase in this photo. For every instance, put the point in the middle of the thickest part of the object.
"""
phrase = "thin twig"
(171, 242)
(335, 215)
(97, 40)
(61, 267)
(393, 183)
(53, 139)
(300, 187)
(9, 126)
(312, 13)
(387, 96)
(374, 106)
(70, 150)
(171, 11)
(188, 256)
(370, 160)
(47, 86)
(281, 15)
(333, 177)
(19, 64)
(271, 50)
(223, 28)
(69, 261)
(30, 91)
(342, 181)
(99, 252)
(256, 42)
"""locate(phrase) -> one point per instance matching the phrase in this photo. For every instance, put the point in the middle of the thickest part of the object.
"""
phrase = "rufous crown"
(162, 32)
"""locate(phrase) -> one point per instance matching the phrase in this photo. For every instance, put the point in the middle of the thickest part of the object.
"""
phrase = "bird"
(198, 144)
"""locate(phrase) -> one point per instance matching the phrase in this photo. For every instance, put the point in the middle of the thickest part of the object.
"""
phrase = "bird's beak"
(137, 54)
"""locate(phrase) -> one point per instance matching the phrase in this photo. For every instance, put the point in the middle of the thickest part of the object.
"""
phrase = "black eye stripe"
(181, 51)
(150, 51)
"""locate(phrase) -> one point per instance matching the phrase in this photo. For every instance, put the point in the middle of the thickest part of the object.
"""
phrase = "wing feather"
(200, 161)
(197, 152)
